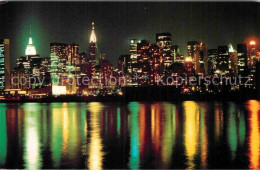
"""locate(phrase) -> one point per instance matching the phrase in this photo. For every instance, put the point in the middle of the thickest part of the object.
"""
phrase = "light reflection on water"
(134, 135)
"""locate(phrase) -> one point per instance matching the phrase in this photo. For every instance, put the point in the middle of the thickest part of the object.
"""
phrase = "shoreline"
(124, 99)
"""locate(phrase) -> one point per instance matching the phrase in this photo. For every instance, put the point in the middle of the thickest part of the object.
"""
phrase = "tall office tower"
(4, 64)
(106, 72)
(45, 71)
(164, 41)
(212, 60)
(196, 60)
(92, 51)
(143, 62)
(233, 61)
(19, 78)
(72, 54)
(72, 71)
(242, 58)
(203, 58)
(222, 60)
(60, 49)
(192, 47)
(133, 67)
(156, 63)
(30, 49)
(54, 69)
(124, 64)
(92, 45)
(252, 59)
(174, 52)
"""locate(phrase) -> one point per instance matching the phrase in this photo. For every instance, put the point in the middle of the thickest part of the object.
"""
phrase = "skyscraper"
(156, 63)
(92, 51)
(124, 64)
(55, 70)
(4, 64)
(92, 45)
(133, 67)
(175, 50)
(212, 60)
(164, 40)
(192, 47)
(199, 55)
(143, 62)
(252, 59)
(203, 59)
(242, 58)
(30, 49)
(233, 60)
(222, 60)
(60, 49)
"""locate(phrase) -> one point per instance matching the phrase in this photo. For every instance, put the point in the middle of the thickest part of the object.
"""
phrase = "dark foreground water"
(134, 135)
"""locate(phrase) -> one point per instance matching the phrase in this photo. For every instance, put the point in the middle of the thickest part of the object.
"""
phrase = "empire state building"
(30, 49)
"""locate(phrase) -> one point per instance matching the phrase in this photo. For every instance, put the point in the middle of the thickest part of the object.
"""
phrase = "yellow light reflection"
(65, 127)
(191, 131)
(95, 146)
(254, 136)
(56, 134)
(203, 136)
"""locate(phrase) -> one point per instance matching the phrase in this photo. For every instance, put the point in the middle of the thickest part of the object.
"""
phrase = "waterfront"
(134, 135)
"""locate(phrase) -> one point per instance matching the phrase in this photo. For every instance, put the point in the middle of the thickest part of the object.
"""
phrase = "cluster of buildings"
(68, 72)
(148, 60)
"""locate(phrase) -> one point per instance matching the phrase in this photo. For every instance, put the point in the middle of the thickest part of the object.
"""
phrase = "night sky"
(117, 22)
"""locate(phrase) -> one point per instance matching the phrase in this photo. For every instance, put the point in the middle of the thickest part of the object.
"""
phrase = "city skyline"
(116, 43)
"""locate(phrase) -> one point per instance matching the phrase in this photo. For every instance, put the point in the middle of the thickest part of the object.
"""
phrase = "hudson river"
(134, 135)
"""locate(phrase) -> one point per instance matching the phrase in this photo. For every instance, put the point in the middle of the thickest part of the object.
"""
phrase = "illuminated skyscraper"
(72, 53)
(242, 58)
(164, 40)
(4, 64)
(212, 60)
(175, 51)
(203, 57)
(156, 63)
(60, 49)
(222, 59)
(55, 71)
(30, 49)
(199, 55)
(92, 52)
(233, 60)
(192, 47)
(133, 67)
(124, 64)
(106, 72)
(143, 62)
(92, 45)
(252, 59)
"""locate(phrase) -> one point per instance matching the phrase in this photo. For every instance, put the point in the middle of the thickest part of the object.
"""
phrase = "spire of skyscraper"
(93, 37)
(30, 49)
(230, 48)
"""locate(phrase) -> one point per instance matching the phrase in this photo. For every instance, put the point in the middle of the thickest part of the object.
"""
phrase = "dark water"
(133, 135)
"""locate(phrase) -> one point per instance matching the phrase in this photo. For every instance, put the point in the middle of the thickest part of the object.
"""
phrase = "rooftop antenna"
(30, 29)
